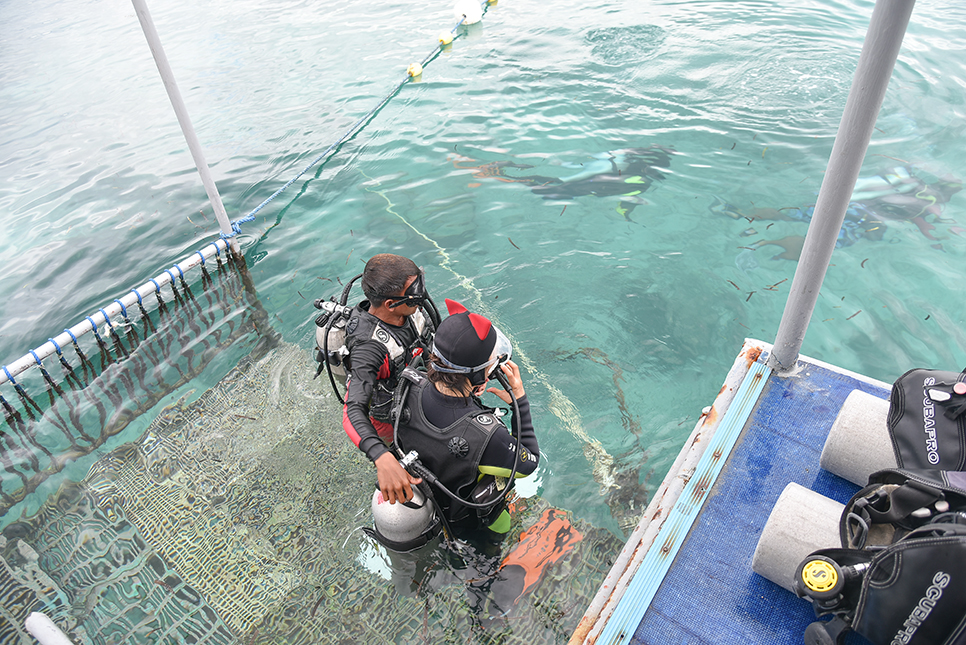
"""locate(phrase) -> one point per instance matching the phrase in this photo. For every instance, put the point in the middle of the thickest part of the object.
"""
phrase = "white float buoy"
(471, 9)
(44, 630)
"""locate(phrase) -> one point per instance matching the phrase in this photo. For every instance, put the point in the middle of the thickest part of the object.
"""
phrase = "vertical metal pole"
(878, 58)
(154, 42)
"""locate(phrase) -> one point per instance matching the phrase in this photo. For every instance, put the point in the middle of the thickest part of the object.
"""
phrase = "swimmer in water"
(627, 173)
(896, 195)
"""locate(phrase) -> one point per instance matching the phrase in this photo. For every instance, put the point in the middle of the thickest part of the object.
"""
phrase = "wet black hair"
(386, 274)
(456, 382)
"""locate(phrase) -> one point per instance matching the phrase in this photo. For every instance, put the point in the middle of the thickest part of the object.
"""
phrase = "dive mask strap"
(414, 295)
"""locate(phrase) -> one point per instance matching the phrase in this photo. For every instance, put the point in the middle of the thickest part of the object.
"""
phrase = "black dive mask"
(414, 296)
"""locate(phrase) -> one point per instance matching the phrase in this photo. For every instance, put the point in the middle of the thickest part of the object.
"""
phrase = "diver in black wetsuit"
(469, 452)
(626, 173)
(462, 442)
(383, 333)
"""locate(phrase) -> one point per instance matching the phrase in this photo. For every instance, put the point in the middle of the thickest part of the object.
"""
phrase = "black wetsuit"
(442, 410)
(377, 353)
(461, 442)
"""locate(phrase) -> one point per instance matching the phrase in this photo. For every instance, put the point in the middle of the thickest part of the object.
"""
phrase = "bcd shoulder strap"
(898, 501)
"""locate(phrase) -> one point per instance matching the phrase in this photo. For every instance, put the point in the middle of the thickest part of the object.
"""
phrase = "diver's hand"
(394, 482)
(512, 373)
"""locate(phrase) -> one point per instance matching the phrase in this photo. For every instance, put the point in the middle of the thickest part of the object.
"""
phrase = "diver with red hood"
(465, 452)
(468, 461)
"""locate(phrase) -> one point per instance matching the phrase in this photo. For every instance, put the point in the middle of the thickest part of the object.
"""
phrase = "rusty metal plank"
(637, 598)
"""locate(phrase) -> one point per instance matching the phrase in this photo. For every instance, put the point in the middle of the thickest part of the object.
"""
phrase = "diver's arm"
(498, 461)
(370, 362)
(500, 452)
(369, 359)
(512, 373)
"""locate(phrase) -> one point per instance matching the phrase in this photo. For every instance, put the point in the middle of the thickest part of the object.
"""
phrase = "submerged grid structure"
(234, 518)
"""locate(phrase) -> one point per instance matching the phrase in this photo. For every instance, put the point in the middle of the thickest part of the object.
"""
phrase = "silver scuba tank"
(337, 350)
(403, 526)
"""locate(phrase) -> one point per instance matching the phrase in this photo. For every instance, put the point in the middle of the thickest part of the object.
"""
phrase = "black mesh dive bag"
(901, 578)
(927, 419)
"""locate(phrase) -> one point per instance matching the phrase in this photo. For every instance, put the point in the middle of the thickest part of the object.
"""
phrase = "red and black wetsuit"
(378, 352)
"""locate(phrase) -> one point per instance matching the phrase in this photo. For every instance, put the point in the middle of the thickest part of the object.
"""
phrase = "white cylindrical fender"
(801, 522)
(858, 443)
(45, 631)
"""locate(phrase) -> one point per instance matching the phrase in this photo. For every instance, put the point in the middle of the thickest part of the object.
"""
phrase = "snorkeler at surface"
(900, 194)
(627, 173)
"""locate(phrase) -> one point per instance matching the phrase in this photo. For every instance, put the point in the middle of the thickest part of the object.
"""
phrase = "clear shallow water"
(634, 322)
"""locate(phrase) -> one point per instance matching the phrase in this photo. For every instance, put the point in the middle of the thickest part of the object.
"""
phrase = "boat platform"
(685, 574)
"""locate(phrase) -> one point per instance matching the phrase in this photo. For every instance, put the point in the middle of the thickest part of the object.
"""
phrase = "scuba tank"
(330, 346)
(330, 337)
(404, 526)
(332, 353)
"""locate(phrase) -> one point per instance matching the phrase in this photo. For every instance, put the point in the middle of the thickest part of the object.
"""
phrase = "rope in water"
(413, 71)
(560, 405)
(53, 346)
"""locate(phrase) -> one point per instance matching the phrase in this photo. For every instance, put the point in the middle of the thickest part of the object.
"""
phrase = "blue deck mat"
(711, 595)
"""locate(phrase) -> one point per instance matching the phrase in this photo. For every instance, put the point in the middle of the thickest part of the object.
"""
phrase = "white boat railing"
(106, 315)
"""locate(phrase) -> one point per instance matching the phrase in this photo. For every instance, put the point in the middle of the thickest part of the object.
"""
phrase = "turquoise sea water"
(633, 321)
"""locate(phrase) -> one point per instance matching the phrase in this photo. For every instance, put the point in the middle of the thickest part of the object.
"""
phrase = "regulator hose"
(419, 470)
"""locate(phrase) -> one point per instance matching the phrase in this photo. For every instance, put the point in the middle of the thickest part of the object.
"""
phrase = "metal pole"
(154, 42)
(878, 58)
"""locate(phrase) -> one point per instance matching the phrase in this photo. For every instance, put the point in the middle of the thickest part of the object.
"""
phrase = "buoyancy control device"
(927, 419)
(331, 351)
(901, 578)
